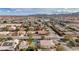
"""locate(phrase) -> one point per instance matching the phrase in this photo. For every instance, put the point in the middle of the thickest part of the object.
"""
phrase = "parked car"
(8, 46)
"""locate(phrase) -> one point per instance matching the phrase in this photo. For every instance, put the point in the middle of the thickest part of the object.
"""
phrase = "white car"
(8, 46)
(23, 44)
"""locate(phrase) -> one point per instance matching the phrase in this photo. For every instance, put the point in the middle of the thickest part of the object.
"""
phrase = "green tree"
(30, 40)
(4, 21)
(72, 43)
(26, 28)
(59, 47)
(9, 38)
(42, 37)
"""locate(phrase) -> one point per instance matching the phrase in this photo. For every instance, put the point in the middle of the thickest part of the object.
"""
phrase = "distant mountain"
(65, 14)
(68, 14)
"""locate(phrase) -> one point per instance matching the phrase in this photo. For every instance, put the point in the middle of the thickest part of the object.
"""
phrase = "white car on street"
(8, 46)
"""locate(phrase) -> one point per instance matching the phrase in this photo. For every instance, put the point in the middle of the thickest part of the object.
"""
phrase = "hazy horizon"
(34, 11)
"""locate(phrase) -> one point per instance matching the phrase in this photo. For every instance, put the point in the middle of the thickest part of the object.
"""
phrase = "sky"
(32, 11)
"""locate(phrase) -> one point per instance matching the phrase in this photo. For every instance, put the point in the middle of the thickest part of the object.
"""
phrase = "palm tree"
(30, 40)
